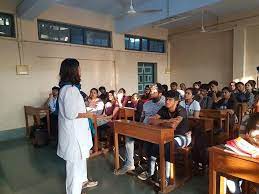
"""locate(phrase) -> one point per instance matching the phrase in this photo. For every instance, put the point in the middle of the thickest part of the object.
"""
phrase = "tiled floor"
(26, 170)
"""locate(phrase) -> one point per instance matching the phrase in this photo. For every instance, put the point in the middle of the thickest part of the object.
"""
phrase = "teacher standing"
(74, 138)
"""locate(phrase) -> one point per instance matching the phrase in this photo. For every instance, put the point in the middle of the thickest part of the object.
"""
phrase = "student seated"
(173, 90)
(104, 95)
(214, 93)
(150, 108)
(171, 115)
(137, 104)
(227, 102)
(95, 104)
(203, 98)
(165, 87)
(146, 96)
(52, 105)
(191, 106)
(252, 136)
(243, 96)
(122, 98)
(232, 87)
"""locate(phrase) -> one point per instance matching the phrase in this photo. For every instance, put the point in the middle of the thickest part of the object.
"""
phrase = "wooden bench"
(126, 113)
(36, 113)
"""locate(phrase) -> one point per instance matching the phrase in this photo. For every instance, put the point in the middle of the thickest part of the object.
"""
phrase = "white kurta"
(74, 139)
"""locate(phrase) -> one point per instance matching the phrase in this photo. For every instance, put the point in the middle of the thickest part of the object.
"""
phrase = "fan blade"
(150, 11)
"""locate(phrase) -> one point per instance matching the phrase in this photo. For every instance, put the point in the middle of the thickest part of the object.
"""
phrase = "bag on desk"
(40, 136)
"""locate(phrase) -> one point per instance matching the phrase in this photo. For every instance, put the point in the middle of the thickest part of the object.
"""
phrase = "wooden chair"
(36, 113)
(242, 108)
(187, 161)
(126, 113)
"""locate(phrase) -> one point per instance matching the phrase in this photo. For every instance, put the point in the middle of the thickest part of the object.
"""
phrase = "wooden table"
(154, 134)
(223, 163)
(206, 124)
(127, 112)
(36, 113)
(220, 115)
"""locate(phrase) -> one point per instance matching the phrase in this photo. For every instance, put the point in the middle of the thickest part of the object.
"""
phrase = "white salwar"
(74, 138)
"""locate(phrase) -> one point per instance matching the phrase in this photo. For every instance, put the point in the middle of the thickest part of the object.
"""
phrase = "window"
(54, 31)
(7, 25)
(144, 44)
(146, 75)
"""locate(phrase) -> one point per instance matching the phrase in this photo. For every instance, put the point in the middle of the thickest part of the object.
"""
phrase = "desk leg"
(116, 157)
(223, 188)
(48, 123)
(172, 172)
(96, 140)
(227, 123)
(212, 175)
(162, 166)
(27, 124)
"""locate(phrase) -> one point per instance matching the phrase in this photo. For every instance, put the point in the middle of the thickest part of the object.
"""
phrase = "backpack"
(39, 136)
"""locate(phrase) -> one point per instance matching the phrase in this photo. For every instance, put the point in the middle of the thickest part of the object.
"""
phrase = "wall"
(111, 67)
(202, 57)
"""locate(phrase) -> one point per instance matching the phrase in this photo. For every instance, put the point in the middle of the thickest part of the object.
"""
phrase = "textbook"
(242, 147)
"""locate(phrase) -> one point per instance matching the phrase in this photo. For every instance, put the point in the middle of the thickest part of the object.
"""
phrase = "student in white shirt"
(74, 138)
(191, 106)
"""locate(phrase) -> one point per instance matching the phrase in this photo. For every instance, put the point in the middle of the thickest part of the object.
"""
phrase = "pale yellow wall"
(111, 67)
(202, 57)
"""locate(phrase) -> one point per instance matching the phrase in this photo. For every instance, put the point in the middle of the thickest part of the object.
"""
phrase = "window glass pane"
(127, 42)
(97, 38)
(55, 32)
(77, 36)
(144, 44)
(156, 46)
(134, 43)
(7, 25)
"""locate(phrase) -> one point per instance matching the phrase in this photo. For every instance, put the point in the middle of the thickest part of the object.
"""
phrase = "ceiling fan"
(132, 11)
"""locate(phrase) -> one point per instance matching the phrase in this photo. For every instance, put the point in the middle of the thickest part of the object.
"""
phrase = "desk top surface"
(220, 150)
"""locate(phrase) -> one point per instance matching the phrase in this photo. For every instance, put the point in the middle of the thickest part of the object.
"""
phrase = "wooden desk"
(126, 112)
(206, 124)
(96, 150)
(149, 133)
(36, 113)
(242, 108)
(220, 115)
(228, 164)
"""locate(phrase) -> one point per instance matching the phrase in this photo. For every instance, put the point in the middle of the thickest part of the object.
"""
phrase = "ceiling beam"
(170, 8)
(30, 9)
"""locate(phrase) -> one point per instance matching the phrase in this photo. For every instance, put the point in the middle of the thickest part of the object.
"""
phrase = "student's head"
(248, 87)
(204, 88)
(196, 85)
(93, 93)
(182, 86)
(172, 100)
(226, 93)
(102, 90)
(232, 86)
(135, 98)
(213, 85)
(189, 94)
(240, 86)
(165, 87)
(121, 93)
(252, 128)
(70, 71)
(173, 86)
(55, 91)
(111, 95)
(156, 91)
(252, 83)
(147, 90)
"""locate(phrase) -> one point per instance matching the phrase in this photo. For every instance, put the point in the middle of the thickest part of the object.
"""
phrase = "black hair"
(55, 88)
(205, 87)
(69, 71)
(214, 82)
(160, 88)
(173, 95)
(251, 122)
(226, 88)
(94, 89)
(194, 92)
(173, 84)
(102, 88)
(165, 87)
(122, 90)
(240, 83)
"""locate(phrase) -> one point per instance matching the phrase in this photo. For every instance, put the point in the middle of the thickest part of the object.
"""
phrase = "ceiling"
(215, 10)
